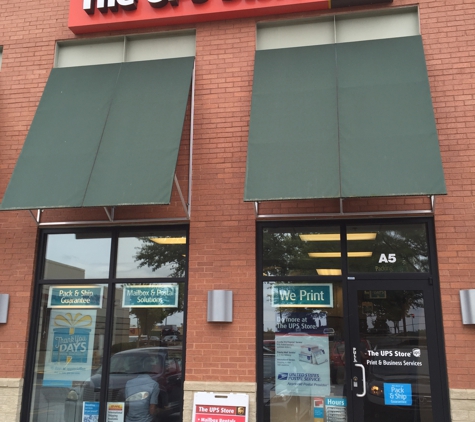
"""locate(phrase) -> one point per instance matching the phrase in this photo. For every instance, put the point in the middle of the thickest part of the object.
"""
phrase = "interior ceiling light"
(361, 236)
(328, 271)
(332, 237)
(324, 254)
(338, 254)
(169, 240)
(360, 254)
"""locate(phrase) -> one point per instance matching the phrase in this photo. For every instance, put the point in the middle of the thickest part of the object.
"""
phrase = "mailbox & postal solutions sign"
(150, 296)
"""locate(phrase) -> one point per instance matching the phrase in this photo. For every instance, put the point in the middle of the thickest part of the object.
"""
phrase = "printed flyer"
(302, 365)
(115, 411)
(90, 411)
(335, 409)
(70, 346)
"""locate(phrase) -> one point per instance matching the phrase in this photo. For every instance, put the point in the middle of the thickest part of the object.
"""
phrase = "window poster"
(302, 365)
(70, 346)
(115, 411)
(90, 411)
(150, 296)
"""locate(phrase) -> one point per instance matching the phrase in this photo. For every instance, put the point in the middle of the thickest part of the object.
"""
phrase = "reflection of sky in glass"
(89, 254)
(128, 267)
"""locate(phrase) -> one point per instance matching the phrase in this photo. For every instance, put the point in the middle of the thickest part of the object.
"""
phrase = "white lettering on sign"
(311, 295)
(286, 295)
(104, 6)
(390, 259)
(89, 6)
(334, 402)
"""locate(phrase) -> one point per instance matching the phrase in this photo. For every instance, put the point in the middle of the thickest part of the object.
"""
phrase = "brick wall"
(222, 240)
(222, 233)
(449, 42)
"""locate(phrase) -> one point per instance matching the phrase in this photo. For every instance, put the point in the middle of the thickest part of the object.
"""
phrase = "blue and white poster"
(69, 350)
(397, 394)
(90, 411)
(335, 409)
(302, 365)
(75, 297)
(150, 296)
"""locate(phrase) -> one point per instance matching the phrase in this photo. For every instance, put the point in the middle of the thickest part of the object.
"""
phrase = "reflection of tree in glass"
(407, 243)
(148, 318)
(285, 253)
(395, 308)
(156, 256)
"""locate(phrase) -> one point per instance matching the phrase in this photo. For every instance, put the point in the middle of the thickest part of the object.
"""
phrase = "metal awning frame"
(110, 211)
(343, 214)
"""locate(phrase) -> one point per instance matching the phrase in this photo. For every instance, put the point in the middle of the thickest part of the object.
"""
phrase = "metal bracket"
(38, 216)
(110, 214)
(183, 202)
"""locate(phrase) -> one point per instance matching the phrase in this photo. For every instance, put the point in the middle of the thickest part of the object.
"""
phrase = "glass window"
(82, 336)
(388, 248)
(77, 256)
(145, 367)
(303, 335)
(145, 254)
(69, 349)
(293, 251)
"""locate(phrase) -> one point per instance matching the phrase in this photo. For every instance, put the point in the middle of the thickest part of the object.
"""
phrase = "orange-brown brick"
(222, 227)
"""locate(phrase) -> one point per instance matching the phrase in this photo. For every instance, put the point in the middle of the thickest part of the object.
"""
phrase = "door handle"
(363, 379)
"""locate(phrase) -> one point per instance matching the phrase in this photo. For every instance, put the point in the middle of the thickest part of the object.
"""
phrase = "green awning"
(371, 132)
(293, 125)
(104, 135)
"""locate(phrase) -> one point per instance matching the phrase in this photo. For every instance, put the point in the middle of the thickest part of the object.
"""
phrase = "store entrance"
(351, 325)
(395, 367)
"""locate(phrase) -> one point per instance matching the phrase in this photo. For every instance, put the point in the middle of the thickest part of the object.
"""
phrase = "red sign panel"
(107, 15)
(216, 413)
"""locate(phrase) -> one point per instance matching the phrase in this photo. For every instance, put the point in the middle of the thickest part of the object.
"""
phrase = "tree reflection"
(284, 253)
(149, 318)
(407, 243)
(395, 248)
(394, 308)
(156, 256)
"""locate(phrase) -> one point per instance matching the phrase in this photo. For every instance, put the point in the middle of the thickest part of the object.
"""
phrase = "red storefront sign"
(216, 413)
(87, 16)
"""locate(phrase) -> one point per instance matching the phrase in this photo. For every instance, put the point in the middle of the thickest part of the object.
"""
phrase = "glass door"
(393, 352)
(351, 326)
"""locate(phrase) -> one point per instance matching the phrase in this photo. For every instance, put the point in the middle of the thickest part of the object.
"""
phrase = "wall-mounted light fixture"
(220, 306)
(467, 305)
(4, 299)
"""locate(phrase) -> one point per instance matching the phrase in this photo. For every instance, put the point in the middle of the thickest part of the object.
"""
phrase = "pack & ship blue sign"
(303, 295)
(150, 296)
(397, 394)
(75, 297)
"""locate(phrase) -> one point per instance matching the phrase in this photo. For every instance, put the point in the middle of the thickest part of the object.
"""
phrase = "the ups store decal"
(106, 15)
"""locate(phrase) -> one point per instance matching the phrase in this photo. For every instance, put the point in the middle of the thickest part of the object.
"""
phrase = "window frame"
(110, 282)
(432, 276)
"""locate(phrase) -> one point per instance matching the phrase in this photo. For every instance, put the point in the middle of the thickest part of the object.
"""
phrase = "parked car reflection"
(162, 364)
